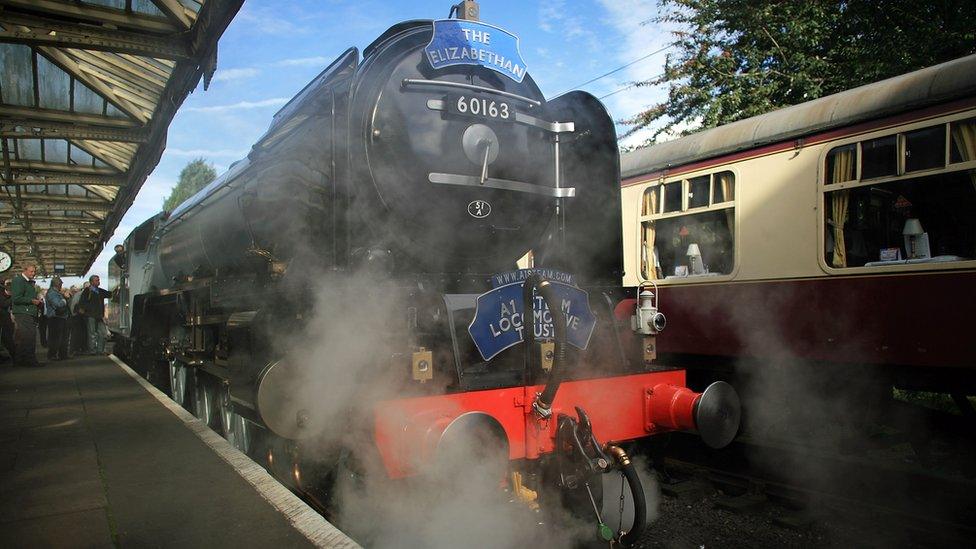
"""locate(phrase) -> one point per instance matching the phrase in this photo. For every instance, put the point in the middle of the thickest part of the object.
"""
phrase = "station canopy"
(87, 91)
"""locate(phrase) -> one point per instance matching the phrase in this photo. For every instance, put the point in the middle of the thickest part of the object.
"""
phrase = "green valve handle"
(604, 532)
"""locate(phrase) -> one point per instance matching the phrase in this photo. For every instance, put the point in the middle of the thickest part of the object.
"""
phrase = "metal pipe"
(636, 490)
(543, 403)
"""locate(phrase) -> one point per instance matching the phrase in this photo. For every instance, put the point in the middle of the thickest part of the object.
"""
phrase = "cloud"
(240, 105)
(554, 15)
(303, 62)
(265, 21)
(243, 73)
(206, 152)
(227, 75)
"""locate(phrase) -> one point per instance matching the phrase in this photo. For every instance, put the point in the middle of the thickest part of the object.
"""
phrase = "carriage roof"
(929, 86)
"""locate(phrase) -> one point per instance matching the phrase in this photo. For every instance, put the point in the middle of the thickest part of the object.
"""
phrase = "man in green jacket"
(24, 302)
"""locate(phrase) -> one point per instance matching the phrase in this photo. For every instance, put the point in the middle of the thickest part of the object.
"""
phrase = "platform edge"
(309, 523)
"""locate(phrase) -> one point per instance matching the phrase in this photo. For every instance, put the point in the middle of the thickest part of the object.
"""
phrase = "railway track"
(871, 497)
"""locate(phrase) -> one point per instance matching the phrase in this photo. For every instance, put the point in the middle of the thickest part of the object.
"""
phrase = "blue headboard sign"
(499, 319)
(460, 42)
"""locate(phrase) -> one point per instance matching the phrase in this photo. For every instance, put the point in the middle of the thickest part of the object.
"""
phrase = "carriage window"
(906, 221)
(880, 157)
(699, 243)
(649, 204)
(672, 197)
(925, 149)
(698, 191)
(723, 189)
(841, 164)
(963, 141)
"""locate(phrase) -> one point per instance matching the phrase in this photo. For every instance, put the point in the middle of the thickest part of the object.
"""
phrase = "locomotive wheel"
(225, 411)
(241, 433)
(233, 426)
(205, 405)
(177, 382)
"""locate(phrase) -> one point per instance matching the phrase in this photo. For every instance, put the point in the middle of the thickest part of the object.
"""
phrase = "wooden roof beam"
(13, 114)
(36, 165)
(64, 253)
(38, 129)
(63, 247)
(57, 228)
(26, 197)
(57, 256)
(44, 222)
(21, 178)
(83, 241)
(73, 219)
(49, 243)
(53, 222)
(34, 202)
(177, 12)
(34, 30)
(94, 14)
(37, 205)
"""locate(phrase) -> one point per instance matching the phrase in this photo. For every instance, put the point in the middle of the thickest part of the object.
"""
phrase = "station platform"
(91, 455)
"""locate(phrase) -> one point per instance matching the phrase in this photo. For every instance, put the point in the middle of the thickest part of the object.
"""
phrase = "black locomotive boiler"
(346, 286)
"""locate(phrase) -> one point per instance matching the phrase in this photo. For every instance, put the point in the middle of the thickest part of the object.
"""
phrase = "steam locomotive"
(353, 286)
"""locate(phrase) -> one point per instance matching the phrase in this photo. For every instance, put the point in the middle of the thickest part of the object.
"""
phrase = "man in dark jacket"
(56, 311)
(92, 307)
(6, 321)
(23, 295)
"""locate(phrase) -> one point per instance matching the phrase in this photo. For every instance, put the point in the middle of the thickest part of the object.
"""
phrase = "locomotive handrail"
(472, 87)
(504, 184)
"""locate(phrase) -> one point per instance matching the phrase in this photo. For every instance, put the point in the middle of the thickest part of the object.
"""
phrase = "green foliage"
(739, 58)
(195, 175)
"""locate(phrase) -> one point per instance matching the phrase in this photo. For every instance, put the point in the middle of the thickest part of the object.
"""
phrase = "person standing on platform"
(41, 318)
(56, 311)
(24, 298)
(92, 306)
(78, 340)
(6, 321)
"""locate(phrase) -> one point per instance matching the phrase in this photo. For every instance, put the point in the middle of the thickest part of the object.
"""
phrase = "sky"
(274, 47)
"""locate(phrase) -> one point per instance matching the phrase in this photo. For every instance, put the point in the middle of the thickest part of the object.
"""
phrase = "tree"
(740, 58)
(195, 175)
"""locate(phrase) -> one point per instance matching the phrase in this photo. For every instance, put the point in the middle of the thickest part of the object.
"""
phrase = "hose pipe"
(636, 530)
(543, 404)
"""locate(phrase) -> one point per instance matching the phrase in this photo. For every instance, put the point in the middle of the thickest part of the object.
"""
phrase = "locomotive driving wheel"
(205, 405)
(235, 428)
(177, 381)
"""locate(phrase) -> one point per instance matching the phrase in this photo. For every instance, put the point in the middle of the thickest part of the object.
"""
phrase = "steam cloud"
(339, 362)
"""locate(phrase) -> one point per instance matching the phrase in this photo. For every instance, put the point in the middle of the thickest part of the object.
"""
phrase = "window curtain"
(726, 181)
(843, 171)
(648, 252)
(964, 136)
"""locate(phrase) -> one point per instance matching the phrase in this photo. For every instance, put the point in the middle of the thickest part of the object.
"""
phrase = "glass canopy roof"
(87, 90)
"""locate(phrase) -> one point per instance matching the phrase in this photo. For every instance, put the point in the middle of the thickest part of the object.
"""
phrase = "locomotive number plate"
(481, 107)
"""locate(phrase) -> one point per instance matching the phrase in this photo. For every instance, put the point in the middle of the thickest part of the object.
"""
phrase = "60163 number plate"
(470, 105)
